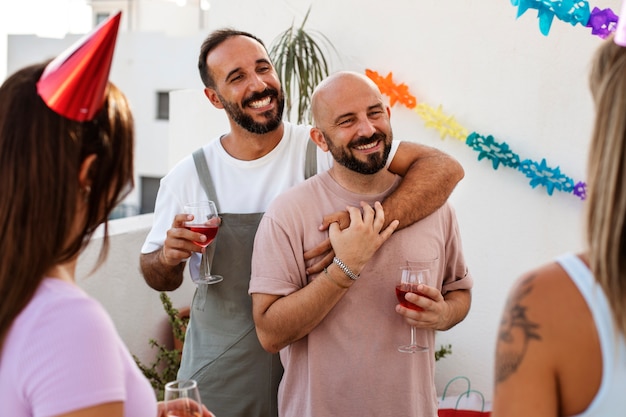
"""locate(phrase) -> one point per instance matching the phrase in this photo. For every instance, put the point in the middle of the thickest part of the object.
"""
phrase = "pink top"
(63, 354)
(349, 365)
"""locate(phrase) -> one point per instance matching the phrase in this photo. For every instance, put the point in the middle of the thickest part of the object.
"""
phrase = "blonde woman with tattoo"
(561, 345)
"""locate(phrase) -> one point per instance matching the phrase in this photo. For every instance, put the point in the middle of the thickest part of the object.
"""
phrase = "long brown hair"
(40, 158)
(606, 211)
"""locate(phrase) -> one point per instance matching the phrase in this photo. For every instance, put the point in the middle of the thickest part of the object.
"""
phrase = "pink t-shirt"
(349, 364)
(63, 354)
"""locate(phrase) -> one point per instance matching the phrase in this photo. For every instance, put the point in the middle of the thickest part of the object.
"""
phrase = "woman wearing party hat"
(66, 160)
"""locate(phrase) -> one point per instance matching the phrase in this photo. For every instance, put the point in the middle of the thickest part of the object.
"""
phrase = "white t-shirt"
(241, 186)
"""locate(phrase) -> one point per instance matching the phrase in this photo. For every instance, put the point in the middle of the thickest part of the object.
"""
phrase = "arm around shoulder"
(429, 178)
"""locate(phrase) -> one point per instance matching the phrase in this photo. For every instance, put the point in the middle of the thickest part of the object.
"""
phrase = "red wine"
(208, 231)
(401, 291)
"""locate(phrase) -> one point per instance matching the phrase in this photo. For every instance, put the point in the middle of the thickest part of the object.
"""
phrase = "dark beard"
(374, 163)
(273, 120)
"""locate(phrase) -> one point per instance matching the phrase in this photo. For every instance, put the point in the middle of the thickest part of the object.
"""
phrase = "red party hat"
(73, 84)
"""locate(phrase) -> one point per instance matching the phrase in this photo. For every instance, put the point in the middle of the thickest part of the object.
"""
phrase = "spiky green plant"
(299, 58)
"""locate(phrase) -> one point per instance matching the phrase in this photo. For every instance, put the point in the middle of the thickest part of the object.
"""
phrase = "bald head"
(338, 93)
(351, 121)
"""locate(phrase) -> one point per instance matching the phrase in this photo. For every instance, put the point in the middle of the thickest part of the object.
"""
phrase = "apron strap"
(205, 177)
(207, 185)
(310, 169)
(310, 165)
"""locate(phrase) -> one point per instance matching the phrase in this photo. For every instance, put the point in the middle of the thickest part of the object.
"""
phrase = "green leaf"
(300, 62)
(167, 361)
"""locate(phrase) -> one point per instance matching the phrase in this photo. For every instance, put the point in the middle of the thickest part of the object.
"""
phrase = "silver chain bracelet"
(345, 269)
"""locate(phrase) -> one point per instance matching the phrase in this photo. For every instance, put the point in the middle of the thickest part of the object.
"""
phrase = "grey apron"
(236, 376)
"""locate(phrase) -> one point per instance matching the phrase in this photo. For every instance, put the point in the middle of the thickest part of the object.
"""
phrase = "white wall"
(193, 122)
(164, 16)
(135, 308)
(495, 74)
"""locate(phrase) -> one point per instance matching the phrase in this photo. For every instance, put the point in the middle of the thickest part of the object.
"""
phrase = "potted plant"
(299, 59)
(167, 361)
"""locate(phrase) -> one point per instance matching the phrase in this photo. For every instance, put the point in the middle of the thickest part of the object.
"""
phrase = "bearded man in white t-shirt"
(243, 171)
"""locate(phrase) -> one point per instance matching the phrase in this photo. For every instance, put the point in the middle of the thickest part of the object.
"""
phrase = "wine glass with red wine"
(410, 278)
(207, 222)
(182, 399)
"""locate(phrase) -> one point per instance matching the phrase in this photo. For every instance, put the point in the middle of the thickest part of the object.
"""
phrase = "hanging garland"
(486, 146)
(602, 22)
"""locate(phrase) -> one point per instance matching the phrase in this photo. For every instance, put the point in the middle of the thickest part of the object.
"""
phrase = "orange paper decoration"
(399, 93)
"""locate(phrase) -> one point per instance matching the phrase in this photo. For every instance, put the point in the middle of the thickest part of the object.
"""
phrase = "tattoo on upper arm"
(515, 333)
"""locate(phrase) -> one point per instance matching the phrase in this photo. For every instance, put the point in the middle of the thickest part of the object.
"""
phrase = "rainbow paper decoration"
(488, 148)
(601, 21)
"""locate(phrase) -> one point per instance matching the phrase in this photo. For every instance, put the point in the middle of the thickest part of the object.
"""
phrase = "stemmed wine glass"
(410, 278)
(205, 221)
(182, 399)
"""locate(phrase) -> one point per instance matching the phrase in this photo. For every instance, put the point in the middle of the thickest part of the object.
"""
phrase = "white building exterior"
(496, 75)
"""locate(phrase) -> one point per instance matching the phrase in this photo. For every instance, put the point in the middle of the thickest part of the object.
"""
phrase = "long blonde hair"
(606, 210)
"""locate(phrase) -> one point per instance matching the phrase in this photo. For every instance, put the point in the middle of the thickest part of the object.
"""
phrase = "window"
(163, 105)
(101, 17)
(149, 188)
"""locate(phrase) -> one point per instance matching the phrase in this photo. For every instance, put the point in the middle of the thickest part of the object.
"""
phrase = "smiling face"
(352, 122)
(246, 85)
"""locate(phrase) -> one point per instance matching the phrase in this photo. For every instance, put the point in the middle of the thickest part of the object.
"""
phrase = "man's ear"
(211, 94)
(84, 177)
(318, 137)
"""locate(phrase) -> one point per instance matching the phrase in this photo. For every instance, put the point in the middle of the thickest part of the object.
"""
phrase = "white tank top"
(611, 397)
